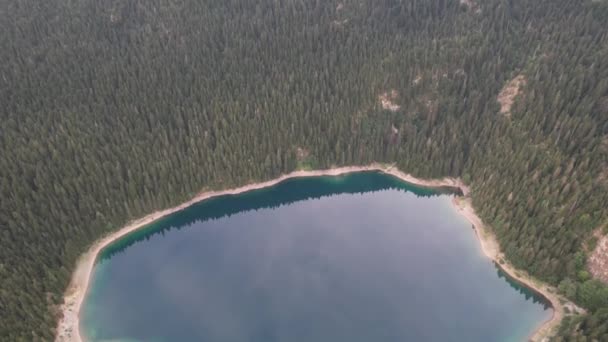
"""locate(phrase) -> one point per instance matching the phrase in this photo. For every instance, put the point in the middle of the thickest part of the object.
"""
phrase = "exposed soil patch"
(471, 5)
(603, 174)
(387, 100)
(339, 23)
(598, 261)
(507, 95)
(602, 105)
(302, 153)
(393, 136)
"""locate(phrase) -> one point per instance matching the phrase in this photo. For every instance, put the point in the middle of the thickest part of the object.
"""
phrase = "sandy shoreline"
(68, 327)
(491, 249)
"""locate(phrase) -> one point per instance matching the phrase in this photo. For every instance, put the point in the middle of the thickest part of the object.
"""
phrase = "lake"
(358, 257)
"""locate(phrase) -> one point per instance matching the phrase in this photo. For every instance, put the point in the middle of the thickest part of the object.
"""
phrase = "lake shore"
(491, 249)
(68, 327)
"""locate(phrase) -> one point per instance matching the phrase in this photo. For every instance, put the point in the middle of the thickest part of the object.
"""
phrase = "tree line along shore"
(68, 328)
(112, 110)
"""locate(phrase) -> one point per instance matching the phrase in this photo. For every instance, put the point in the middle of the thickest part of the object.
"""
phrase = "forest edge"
(69, 321)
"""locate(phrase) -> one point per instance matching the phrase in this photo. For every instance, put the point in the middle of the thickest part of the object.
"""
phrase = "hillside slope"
(113, 109)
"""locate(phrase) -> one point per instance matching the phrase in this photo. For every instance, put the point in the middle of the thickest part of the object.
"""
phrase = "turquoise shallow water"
(361, 257)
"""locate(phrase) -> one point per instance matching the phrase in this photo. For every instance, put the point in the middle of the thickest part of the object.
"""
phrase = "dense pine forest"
(112, 109)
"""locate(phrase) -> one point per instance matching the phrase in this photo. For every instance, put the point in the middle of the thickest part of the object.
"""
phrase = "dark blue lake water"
(361, 257)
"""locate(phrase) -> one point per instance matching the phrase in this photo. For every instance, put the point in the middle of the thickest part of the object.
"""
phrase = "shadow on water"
(529, 293)
(291, 191)
(284, 193)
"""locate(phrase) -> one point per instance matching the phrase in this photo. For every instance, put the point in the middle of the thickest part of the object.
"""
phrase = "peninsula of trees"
(113, 109)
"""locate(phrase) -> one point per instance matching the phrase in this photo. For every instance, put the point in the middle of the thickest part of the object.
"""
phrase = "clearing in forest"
(471, 5)
(507, 95)
(598, 261)
(387, 100)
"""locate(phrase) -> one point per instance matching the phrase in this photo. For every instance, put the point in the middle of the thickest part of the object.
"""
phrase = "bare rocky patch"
(302, 153)
(602, 177)
(602, 105)
(387, 100)
(507, 95)
(393, 136)
(339, 23)
(471, 5)
(460, 72)
(598, 260)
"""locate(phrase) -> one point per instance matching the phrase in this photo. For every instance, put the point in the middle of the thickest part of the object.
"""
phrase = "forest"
(112, 109)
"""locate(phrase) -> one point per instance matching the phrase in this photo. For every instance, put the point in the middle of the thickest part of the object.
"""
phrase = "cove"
(358, 257)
